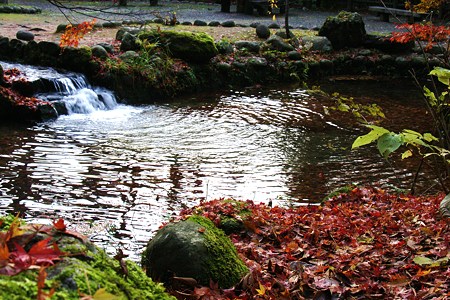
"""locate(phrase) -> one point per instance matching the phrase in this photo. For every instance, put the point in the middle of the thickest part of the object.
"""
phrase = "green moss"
(223, 252)
(192, 47)
(83, 271)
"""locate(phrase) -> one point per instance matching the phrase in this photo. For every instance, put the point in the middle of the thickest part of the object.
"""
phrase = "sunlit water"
(118, 174)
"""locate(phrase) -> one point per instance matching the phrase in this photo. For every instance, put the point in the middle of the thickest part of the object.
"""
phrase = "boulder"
(5, 50)
(49, 48)
(191, 47)
(224, 47)
(214, 23)
(317, 43)
(99, 51)
(108, 47)
(82, 269)
(277, 43)
(76, 59)
(228, 23)
(129, 55)
(262, 31)
(24, 35)
(129, 42)
(274, 26)
(200, 23)
(248, 45)
(17, 48)
(346, 30)
(193, 248)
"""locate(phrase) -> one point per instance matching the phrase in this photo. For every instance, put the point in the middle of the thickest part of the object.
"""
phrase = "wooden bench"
(386, 12)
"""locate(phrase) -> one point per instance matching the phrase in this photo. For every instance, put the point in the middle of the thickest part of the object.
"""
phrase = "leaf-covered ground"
(366, 244)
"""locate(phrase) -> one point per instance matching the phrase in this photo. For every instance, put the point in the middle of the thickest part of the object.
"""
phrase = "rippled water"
(118, 174)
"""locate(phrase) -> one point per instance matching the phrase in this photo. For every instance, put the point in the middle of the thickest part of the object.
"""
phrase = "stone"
(49, 48)
(193, 248)
(229, 23)
(111, 24)
(61, 28)
(108, 47)
(277, 43)
(191, 47)
(129, 42)
(294, 55)
(262, 31)
(24, 35)
(274, 26)
(99, 51)
(346, 30)
(257, 62)
(84, 270)
(200, 23)
(214, 23)
(224, 47)
(248, 45)
(17, 48)
(158, 21)
(186, 23)
(129, 55)
(254, 24)
(4, 47)
(76, 59)
(317, 43)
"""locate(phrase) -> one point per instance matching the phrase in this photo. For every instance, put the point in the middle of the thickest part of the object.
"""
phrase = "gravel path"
(186, 11)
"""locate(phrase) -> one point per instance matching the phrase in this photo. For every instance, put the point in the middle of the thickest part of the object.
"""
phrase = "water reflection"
(119, 174)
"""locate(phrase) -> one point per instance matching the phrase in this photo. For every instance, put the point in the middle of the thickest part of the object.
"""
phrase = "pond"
(118, 174)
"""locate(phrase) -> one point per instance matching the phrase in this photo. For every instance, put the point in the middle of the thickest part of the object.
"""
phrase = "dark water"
(118, 174)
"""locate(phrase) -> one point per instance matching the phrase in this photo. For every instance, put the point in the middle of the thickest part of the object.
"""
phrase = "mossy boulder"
(346, 30)
(84, 271)
(76, 59)
(191, 47)
(193, 248)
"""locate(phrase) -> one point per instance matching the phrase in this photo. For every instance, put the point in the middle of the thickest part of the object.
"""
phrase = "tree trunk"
(3, 1)
(286, 18)
(225, 6)
(123, 2)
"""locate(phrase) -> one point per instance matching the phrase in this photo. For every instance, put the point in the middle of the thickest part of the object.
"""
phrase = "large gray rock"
(248, 45)
(262, 31)
(346, 30)
(24, 35)
(317, 43)
(193, 248)
(277, 43)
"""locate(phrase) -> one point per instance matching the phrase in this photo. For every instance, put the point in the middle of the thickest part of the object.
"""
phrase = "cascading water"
(70, 92)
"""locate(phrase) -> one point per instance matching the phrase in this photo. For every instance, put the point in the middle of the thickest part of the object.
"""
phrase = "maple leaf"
(20, 258)
(4, 255)
(42, 253)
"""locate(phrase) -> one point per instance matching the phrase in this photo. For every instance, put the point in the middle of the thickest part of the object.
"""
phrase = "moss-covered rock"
(84, 270)
(191, 47)
(193, 248)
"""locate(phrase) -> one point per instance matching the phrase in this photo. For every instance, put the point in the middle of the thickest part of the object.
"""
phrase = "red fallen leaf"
(201, 229)
(59, 225)
(42, 253)
(41, 295)
(20, 258)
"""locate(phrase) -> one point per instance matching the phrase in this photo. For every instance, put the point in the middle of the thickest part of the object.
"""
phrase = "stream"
(117, 172)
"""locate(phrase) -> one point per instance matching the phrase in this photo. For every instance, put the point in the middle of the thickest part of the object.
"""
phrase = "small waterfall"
(70, 92)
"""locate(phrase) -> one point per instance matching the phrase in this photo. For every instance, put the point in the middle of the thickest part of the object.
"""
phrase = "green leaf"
(388, 143)
(442, 74)
(429, 137)
(406, 154)
(430, 96)
(422, 260)
(425, 261)
(372, 136)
